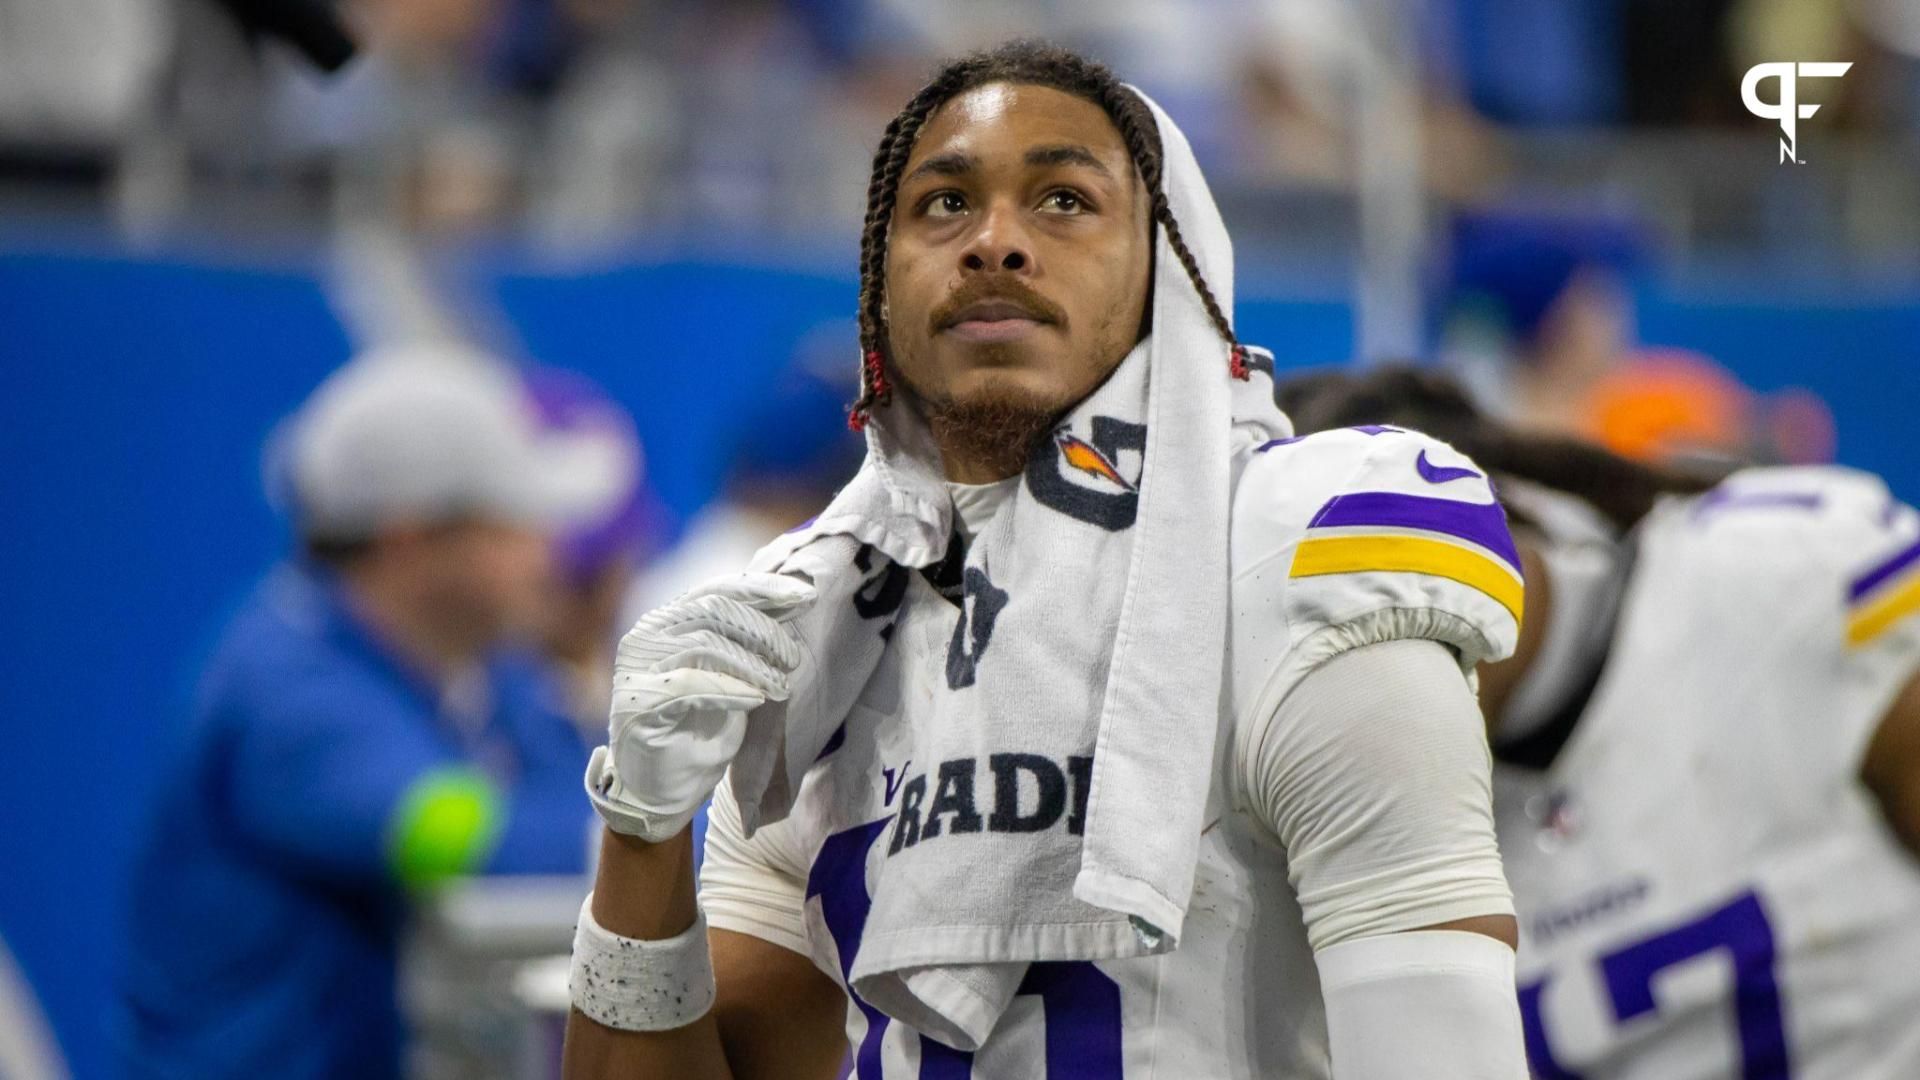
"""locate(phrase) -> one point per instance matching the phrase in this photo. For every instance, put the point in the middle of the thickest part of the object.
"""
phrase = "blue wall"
(1861, 355)
(134, 395)
(133, 399)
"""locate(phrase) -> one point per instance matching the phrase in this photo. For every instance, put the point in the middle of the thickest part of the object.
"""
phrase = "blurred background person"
(1537, 316)
(1536, 307)
(1679, 405)
(597, 557)
(1709, 740)
(363, 734)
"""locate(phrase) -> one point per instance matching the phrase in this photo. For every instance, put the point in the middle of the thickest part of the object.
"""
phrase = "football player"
(1348, 914)
(1709, 798)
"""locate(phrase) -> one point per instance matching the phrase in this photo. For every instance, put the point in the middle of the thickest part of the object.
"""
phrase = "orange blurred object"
(1669, 402)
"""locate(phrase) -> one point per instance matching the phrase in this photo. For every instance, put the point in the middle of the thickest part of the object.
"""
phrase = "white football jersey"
(1338, 540)
(1705, 888)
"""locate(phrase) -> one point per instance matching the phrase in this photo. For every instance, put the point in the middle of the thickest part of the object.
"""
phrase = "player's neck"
(963, 471)
(979, 456)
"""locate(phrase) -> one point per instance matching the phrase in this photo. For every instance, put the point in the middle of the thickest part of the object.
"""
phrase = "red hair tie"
(1237, 363)
(874, 374)
(877, 374)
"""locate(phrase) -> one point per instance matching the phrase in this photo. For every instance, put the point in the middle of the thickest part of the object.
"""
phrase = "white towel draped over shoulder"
(1059, 784)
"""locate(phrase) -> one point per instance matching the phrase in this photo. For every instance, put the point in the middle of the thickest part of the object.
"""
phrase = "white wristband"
(633, 985)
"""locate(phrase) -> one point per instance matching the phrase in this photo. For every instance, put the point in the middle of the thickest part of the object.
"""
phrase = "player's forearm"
(1437, 1004)
(644, 891)
(685, 678)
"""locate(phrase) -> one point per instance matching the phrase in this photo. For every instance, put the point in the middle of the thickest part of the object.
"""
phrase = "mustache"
(1007, 290)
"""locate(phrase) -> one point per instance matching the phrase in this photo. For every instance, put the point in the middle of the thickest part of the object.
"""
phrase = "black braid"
(1023, 62)
(1621, 489)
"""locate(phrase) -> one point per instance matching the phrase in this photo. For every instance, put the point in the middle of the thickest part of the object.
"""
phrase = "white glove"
(684, 678)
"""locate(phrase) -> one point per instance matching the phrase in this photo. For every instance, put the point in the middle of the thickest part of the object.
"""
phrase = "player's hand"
(684, 679)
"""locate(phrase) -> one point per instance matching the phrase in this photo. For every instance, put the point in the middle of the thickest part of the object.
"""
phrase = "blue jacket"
(318, 784)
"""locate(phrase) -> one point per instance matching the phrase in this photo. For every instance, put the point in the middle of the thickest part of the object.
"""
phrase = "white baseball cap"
(422, 433)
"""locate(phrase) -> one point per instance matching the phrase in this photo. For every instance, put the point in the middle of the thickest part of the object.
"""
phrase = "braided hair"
(1026, 63)
(1621, 489)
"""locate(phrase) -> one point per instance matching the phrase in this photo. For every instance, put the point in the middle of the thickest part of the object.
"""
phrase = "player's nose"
(1000, 242)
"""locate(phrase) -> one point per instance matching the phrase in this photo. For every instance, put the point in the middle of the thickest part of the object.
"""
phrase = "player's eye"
(1063, 201)
(942, 204)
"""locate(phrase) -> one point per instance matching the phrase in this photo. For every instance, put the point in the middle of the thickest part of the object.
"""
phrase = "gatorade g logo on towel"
(1096, 479)
(980, 604)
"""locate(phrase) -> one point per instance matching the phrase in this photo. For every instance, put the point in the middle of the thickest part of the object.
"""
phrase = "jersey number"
(1080, 1003)
(1741, 929)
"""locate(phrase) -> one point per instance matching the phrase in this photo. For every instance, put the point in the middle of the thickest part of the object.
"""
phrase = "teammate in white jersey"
(1709, 797)
(1349, 915)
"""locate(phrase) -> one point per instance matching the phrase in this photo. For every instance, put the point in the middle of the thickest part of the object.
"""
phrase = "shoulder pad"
(1838, 525)
(1357, 522)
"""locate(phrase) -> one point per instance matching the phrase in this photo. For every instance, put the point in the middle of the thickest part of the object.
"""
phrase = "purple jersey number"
(1740, 928)
(1080, 1003)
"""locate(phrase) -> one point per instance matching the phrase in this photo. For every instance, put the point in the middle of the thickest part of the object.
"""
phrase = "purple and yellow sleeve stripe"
(1383, 531)
(1884, 595)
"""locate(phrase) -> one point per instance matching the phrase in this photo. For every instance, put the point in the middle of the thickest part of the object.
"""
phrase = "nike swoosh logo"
(1439, 474)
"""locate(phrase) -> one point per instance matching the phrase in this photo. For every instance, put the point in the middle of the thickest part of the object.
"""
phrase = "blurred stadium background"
(197, 223)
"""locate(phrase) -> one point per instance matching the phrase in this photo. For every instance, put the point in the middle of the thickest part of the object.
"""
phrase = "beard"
(995, 430)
